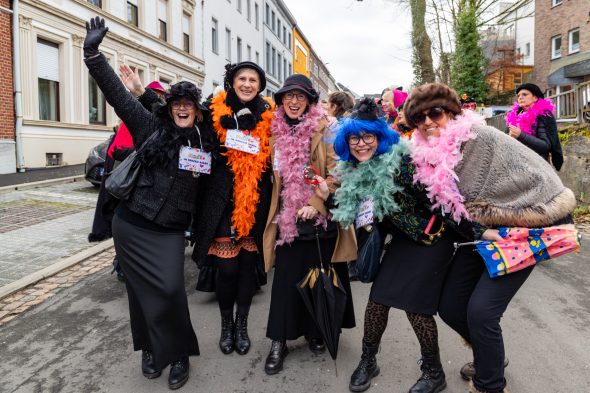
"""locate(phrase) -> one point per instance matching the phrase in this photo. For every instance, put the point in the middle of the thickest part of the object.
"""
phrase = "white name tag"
(275, 162)
(194, 160)
(365, 215)
(238, 140)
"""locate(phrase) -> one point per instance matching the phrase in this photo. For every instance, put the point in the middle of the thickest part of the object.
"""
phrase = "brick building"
(562, 44)
(7, 136)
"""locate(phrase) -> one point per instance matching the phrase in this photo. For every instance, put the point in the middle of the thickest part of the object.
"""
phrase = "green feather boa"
(373, 178)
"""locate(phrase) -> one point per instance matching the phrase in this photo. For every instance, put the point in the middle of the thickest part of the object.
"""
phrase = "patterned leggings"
(424, 326)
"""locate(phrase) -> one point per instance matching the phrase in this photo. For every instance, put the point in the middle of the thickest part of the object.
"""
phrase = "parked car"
(494, 110)
(94, 168)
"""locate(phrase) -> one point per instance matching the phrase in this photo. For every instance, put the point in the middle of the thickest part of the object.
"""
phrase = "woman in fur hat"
(148, 227)
(532, 122)
(299, 229)
(228, 236)
(475, 173)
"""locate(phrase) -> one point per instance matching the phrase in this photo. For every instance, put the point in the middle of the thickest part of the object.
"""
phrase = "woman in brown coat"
(297, 218)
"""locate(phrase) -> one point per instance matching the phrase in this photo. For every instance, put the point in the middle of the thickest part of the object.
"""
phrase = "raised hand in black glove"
(95, 32)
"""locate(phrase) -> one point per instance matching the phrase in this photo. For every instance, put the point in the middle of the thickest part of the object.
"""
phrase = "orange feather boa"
(247, 168)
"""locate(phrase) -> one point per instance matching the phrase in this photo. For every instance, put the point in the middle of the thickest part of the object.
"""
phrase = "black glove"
(95, 32)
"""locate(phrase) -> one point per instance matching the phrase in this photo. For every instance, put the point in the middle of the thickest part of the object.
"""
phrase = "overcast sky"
(366, 45)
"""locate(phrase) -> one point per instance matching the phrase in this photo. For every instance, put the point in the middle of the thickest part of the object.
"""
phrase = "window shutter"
(47, 60)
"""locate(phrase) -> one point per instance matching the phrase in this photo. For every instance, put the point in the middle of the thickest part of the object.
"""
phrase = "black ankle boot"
(147, 365)
(178, 373)
(360, 380)
(242, 341)
(433, 376)
(274, 360)
(316, 345)
(226, 341)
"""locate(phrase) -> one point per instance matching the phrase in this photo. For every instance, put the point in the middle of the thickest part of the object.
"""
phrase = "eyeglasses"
(470, 105)
(435, 114)
(298, 96)
(185, 104)
(366, 138)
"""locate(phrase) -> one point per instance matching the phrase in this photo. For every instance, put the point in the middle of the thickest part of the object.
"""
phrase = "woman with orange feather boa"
(229, 228)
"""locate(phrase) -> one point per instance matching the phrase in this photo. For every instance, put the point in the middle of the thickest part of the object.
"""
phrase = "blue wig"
(347, 127)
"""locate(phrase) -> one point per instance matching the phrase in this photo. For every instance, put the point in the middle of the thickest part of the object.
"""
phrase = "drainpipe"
(18, 109)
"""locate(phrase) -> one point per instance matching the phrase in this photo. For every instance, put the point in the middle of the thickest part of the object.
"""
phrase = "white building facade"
(517, 22)
(233, 32)
(64, 113)
(278, 44)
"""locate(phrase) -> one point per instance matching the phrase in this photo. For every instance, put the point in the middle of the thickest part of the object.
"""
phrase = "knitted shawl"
(372, 178)
(293, 148)
(526, 120)
(247, 168)
(435, 159)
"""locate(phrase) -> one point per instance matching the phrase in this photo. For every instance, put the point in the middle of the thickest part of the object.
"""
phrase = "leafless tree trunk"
(421, 44)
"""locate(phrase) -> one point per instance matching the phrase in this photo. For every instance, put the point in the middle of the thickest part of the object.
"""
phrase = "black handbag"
(121, 181)
(306, 230)
(369, 252)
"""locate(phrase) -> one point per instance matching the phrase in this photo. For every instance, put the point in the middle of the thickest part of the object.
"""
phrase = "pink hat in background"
(155, 85)
(399, 97)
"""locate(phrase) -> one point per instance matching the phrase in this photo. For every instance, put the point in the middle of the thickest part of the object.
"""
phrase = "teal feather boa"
(374, 179)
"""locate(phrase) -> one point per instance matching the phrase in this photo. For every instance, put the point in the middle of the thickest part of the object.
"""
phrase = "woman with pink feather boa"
(476, 173)
(297, 218)
(532, 122)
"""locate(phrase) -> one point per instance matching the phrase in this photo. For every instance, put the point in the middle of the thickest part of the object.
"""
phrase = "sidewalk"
(39, 174)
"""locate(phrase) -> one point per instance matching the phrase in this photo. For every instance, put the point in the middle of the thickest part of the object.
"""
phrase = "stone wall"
(575, 172)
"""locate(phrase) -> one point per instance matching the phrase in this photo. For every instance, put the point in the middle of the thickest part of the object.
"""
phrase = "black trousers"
(153, 264)
(472, 304)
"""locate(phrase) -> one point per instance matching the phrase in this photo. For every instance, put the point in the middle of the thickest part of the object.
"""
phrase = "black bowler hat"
(232, 69)
(297, 82)
(534, 89)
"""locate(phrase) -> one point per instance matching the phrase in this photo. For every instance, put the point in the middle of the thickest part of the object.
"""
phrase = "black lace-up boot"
(226, 341)
(360, 380)
(433, 376)
(242, 341)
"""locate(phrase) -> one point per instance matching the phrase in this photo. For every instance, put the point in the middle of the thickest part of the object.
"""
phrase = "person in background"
(400, 125)
(148, 227)
(299, 233)
(532, 122)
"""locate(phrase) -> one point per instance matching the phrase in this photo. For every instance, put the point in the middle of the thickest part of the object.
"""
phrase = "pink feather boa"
(293, 148)
(435, 159)
(526, 120)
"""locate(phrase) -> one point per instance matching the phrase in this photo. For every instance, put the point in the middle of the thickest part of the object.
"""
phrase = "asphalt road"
(79, 341)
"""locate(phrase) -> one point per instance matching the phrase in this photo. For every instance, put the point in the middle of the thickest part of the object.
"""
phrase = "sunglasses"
(471, 105)
(366, 138)
(435, 114)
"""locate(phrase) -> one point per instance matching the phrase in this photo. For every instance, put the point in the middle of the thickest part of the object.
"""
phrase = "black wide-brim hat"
(534, 89)
(297, 82)
(232, 69)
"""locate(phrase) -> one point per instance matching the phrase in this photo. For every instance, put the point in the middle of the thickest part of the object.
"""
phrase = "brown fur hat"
(430, 95)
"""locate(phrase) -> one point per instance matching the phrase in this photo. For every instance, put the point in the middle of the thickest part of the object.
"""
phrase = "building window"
(274, 62)
(257, 57)
(574, 41)
(214, 36)
(279, 28)
(556, 47)
(267, 15)
(96, 103)
(186, 32)
(290, 69)
(248, 11)
(256, 17)
(48, 79)
(556, 2)
(239, 49)
(96, 3)
(284, 35)
(228, 44)
(527, 49)
(285, 67)
(249, 52)
(289, 41)
(165, 82)
(267, 53)
(162, 20)
(239, 5)
(132, 15)
(273, 21)
(280, 63)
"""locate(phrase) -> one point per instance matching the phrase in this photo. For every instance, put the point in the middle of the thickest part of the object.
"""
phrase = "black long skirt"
(153, 264)
(411, 275)
(288, 317)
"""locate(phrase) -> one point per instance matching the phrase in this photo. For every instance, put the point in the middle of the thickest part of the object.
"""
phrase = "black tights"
(236, 282)
(424, 326)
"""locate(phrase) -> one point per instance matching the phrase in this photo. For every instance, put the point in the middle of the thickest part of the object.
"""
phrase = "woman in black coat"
(148, 227)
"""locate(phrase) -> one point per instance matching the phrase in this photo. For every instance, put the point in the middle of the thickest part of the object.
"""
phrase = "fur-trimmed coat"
(507, 184)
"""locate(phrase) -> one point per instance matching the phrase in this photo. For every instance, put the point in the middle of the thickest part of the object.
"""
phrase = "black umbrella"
(325, 300)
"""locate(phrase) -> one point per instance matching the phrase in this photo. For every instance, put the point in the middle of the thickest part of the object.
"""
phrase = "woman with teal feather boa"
(376, 176)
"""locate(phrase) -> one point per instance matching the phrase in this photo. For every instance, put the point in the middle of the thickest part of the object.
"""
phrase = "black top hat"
(297, 82)
(232, 69)
(366, 109)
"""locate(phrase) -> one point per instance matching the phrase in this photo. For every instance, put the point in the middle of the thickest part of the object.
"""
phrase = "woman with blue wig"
(377, 192)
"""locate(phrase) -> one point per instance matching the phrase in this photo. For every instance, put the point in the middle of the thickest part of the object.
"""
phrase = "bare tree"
(421, 44)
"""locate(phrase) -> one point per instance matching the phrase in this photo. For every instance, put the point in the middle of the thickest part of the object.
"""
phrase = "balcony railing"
(573, 105)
